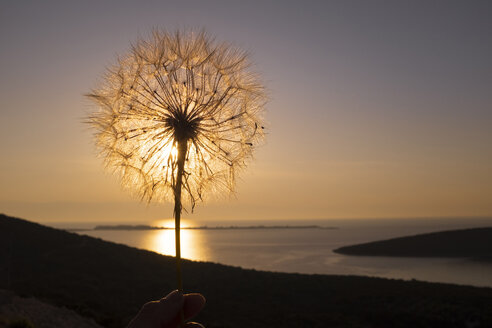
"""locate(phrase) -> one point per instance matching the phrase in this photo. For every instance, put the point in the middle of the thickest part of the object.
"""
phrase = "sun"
(169, 223)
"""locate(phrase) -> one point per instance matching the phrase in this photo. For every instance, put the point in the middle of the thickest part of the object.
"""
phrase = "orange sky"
(375, 111)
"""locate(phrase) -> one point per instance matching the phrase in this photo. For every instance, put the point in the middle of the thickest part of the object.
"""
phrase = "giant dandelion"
(178, 117)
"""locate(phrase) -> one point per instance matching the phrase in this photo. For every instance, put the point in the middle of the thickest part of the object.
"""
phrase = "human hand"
(165, 313)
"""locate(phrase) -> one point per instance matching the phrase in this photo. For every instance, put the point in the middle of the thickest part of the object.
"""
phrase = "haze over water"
(309, 250)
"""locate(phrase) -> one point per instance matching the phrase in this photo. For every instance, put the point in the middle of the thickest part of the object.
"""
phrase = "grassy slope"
(473, 243)
(109, 282)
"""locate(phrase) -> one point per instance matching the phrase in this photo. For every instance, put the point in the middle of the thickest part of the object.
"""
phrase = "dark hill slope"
(469, 243)
(109, 282)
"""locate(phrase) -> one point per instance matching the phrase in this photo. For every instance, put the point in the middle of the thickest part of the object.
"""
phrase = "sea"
(291, 246)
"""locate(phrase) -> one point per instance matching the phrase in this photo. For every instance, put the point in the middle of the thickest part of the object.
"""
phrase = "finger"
(170, 306)
(193, 303)
(172, 295)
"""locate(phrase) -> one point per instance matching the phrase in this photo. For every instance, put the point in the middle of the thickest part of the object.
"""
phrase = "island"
(231, 227)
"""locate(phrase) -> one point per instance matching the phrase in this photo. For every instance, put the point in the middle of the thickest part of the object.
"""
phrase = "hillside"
(470, 243)
(39, 314)
(109, 282)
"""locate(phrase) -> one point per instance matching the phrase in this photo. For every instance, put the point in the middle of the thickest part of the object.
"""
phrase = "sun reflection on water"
(163, 241)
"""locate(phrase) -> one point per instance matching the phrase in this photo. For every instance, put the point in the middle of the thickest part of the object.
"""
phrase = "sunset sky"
(377, 108)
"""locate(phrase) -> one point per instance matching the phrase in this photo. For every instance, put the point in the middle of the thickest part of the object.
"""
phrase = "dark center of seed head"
(183, 127)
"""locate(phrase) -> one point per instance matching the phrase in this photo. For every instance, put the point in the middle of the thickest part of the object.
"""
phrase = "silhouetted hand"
(165, 312)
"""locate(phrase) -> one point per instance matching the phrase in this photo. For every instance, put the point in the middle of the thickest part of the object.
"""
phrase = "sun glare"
(163, 154)
(169, 223)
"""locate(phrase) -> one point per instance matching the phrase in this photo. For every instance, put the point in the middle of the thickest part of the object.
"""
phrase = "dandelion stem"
(184, 91)
(182, 150)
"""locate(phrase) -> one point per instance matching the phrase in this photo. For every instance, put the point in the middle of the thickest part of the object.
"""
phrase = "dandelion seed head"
(176, 90)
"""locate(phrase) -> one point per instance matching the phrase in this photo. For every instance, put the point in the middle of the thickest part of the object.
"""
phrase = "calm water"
(310, 250)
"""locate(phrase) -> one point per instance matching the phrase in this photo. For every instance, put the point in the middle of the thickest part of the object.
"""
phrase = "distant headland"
(468, 243)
